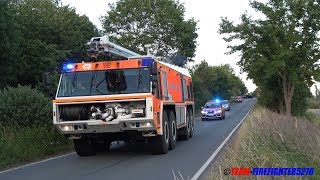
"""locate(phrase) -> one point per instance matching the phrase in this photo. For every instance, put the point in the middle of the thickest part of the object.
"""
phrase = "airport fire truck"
(135, 98)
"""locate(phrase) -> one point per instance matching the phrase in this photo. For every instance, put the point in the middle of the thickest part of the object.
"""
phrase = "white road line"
(206, 164)
(31, 164)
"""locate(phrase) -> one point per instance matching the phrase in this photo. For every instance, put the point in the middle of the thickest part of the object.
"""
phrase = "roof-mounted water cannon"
(102, 45)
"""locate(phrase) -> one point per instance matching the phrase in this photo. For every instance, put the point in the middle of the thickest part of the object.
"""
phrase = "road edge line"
(215, 153)
(34, 163)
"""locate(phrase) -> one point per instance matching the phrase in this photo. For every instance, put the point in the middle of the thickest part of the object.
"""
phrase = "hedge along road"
(134, 161)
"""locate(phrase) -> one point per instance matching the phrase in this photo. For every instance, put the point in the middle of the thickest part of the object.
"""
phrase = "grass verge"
(314, 104)
(21, 145)
(314, 118)
(267, 139)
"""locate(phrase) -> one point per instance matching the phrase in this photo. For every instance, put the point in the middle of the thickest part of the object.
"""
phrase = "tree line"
(280, 51)
(39, 35)
(210, 82)
(36, 35)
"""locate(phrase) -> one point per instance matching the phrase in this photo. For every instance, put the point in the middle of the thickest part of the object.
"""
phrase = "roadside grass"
(314, 104)
(267, 139)
(313, 118)
(20, 145)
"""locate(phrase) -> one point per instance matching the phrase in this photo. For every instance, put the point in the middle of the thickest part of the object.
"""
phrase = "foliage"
(9, 48)
(255, 93)
(313, 117)
(201, 94)
(135, 23)
(37, 34)
(25, 107)
(269, 96)
(300, 99)
(317, 96)
(314, 104)
(283, 45)
(24, 144)
(215, 81)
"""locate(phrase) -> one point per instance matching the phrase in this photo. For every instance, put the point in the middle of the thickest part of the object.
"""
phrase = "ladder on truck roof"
(102, 45)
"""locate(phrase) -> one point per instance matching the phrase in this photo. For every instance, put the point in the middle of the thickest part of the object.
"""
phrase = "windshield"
(224, 102)
(124, 81)
(212, 105)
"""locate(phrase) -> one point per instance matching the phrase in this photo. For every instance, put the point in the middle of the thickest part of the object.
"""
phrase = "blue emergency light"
(67, 67)
(147, 62)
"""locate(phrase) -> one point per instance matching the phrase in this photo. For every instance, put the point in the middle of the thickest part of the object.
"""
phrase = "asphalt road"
(134, 161)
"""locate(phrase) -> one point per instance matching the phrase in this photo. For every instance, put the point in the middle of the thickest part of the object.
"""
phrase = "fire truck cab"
(137, 99)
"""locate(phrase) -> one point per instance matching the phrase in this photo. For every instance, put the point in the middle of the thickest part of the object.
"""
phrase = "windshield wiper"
(139, 80)
(97, 86)
(75, 77)
(94, 76)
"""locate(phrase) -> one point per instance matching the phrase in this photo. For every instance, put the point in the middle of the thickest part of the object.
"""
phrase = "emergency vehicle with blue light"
(134, 98)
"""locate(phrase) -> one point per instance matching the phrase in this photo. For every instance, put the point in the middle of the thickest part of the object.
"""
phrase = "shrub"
(314, 104)
(24, 144)
(24, 106)
(313, 117)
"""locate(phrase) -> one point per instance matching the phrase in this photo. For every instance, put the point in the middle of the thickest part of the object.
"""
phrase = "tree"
(283, 45)
(10, 42)
(215, 81)
(317, 95)
(135, 23)
(49, 32)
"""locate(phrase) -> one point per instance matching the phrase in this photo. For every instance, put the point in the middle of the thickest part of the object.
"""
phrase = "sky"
(211, 47)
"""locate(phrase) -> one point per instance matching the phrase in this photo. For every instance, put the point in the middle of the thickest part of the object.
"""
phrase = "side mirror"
(154, 85)
(201, 107)
(154, 68)
(154, 80)
(46, 79)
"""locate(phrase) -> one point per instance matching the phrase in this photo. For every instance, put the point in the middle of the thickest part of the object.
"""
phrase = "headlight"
(203, 112)
(149, 124)
(218, 112)
(67, 128)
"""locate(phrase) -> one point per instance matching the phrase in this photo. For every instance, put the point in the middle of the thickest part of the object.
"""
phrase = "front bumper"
(98, 126)
(211, 116)
(227, 108)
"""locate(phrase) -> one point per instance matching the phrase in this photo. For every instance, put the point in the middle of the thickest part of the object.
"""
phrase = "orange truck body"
(170, 90)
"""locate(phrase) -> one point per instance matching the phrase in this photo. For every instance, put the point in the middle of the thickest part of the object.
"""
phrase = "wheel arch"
(168, 108)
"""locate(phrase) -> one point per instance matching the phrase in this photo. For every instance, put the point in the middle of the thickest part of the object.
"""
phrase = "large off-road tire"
(185, 131)
(84, 147)
(172, 130)
(191, 122)
(161, 142)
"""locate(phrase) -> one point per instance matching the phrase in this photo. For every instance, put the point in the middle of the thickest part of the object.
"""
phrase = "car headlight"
(218, 112)
(203, 112)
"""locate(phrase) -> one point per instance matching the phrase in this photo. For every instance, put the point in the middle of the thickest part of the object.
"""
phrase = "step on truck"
(135, 98)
